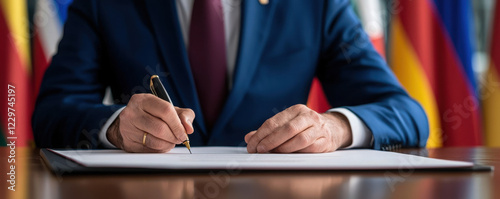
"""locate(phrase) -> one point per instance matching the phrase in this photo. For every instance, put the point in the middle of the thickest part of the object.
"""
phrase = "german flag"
(431, 54)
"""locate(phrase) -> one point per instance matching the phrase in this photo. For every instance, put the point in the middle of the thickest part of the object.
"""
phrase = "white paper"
(238, 158)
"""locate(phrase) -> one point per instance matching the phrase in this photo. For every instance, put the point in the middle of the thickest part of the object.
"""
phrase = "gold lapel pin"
(264, 2)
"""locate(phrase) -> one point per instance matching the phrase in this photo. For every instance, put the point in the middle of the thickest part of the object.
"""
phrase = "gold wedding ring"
(144, 139)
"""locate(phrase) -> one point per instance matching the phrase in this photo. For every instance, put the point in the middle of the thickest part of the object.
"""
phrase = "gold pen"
(158, 90)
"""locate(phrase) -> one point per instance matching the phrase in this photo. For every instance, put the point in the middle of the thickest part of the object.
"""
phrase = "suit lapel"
(163, 15)
(255, 23)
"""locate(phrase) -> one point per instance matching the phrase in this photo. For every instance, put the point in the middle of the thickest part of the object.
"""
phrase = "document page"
(238, 158)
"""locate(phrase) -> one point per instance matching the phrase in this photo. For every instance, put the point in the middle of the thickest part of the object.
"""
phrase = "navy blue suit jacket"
(283, 45)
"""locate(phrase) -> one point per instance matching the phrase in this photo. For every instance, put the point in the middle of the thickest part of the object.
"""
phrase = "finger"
(298, 142)
(318, 146)
(166, 112)
(131, 143)
(249, 135)
(273, 123)
(135, 147)
(284, 133)
(153, 142)
(137, 136)
(187, 117)
(145, 122)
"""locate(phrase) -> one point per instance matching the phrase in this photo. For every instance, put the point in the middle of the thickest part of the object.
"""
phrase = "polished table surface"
(34, 180)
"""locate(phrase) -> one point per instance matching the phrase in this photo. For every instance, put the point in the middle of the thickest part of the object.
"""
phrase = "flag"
(317, 99)
(49, 19)
(491, 91)
(430, 53)
(371, 16)
(370, 13)
(15, 72)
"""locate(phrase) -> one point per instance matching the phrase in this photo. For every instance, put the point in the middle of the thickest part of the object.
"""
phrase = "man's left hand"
(300, 129)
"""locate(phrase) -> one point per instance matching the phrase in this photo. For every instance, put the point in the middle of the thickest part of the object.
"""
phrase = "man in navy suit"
(241, 67)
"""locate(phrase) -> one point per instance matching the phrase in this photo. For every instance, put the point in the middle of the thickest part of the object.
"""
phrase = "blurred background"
(445, 53)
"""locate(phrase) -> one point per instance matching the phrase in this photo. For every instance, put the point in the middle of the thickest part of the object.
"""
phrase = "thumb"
(187, 117)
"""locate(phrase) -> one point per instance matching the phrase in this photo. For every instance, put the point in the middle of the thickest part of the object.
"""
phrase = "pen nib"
(187, 146)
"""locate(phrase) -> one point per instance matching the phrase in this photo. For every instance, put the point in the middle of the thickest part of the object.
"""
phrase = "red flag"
(15, 71)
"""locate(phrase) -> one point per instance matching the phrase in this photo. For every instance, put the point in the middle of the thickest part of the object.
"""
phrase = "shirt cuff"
(102, 134)
(362, 137)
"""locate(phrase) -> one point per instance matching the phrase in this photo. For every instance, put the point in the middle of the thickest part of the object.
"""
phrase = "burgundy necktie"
(207, 56)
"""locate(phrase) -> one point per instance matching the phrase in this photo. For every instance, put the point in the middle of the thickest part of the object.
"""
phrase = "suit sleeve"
(356, 77)
(69, 112)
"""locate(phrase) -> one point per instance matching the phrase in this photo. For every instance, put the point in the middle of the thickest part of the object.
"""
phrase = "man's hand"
(164, 124)
(300, 129)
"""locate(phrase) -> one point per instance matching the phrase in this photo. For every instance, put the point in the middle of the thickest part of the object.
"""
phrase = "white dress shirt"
(361, 135)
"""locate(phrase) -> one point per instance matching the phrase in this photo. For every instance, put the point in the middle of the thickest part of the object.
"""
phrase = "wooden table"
(34, 180)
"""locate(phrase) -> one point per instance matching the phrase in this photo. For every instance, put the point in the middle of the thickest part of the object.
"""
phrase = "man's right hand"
(164, 124)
